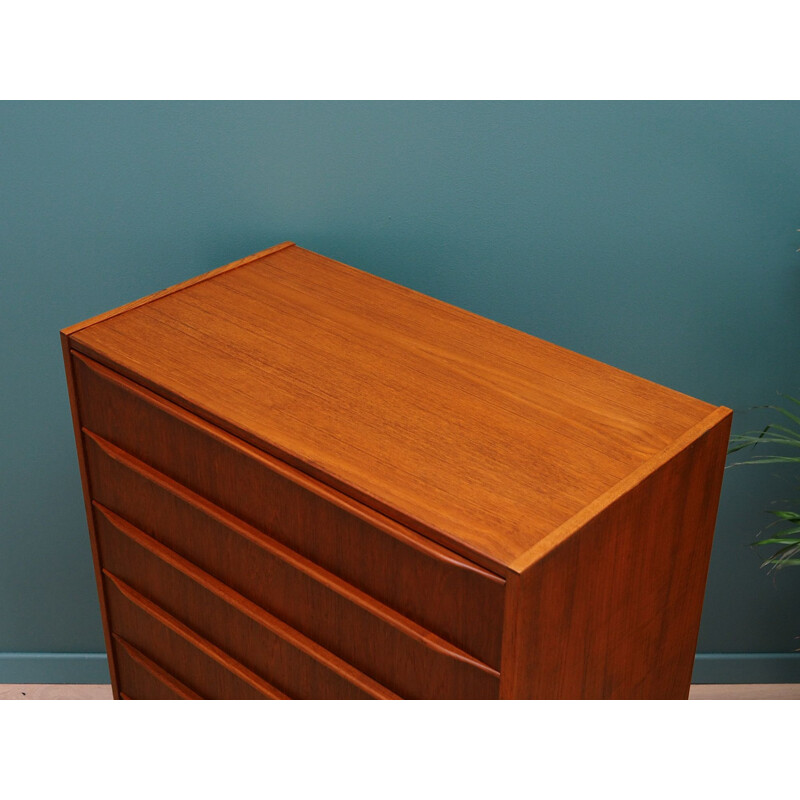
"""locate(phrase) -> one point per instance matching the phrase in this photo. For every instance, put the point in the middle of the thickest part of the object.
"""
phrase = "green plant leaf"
(781, 563)
(793, 417)
(789, 441)
(792, 516)
(786, 552)
(794, 434)
(776, 540)
(768, 460)
(789, 397)
(786, 435)
(742, 440)
(783, 532)
(787, 536)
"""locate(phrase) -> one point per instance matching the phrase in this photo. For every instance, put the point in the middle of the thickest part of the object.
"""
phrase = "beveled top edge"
(548, 543)
(79, 326)
(519, 562)
(709, 407)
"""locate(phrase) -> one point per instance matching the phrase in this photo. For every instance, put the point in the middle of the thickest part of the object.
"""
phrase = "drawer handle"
(157, 672)
(248, 608)
(328, 493)
(186, 633)
(289, 556)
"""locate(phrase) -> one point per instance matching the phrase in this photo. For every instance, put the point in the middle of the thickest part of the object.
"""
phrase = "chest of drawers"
(303, 481)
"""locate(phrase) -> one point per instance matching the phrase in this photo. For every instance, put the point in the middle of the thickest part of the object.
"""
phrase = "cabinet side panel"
(76, 423)
(614, 611)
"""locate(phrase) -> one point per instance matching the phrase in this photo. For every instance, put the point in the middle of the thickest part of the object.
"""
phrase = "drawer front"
(288, 661)
(201, 669)
(441, 591)
(398, 653)
(140, 678)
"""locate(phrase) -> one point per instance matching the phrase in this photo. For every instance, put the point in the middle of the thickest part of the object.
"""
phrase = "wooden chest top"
(478, 436)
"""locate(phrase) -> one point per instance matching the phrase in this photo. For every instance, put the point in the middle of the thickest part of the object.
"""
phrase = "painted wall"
(657, 237)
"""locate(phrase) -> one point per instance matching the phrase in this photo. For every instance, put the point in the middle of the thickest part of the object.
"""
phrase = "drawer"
(397, 567)
(142, 630)
(140, 678)
(281, 656)
(379, 642)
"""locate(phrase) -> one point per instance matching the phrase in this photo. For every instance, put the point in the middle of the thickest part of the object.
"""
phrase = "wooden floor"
(55, 691)
(62, 691)
(745, 691)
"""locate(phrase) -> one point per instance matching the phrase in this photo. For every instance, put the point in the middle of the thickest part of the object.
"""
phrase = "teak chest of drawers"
(303, 481)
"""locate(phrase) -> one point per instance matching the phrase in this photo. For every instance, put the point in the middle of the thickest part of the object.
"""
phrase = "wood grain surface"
(143, 679)
(72, 329)
(613, 611)
(303, 481)
(87, 500)
(210, 672)
(287, 660)
(395, 566)
(374, 638)
(463, 429)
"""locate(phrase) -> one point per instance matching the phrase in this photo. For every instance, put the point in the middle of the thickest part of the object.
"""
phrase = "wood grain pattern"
(87, 500)
(123, 412)
(629, 483)
(613, 611)
(210, 672)
(419, 670)
(283, 657)
(393, 566)
(72, 329)
(304, 481)
(458, 427)
(401, 655)
(143, 679)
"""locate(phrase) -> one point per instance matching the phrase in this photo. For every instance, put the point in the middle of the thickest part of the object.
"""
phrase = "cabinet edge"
(87, 499)
(719, 416)
(539, 636)
(79, 326)
(433, 543)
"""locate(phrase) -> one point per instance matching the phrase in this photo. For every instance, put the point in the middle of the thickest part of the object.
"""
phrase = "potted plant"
(783, 437)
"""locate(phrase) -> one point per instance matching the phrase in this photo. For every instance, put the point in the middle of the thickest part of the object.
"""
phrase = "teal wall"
(658, 237)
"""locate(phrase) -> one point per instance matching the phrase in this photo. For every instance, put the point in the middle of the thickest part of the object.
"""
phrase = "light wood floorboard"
(63, 691)
(745, 691)
(55, 691)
